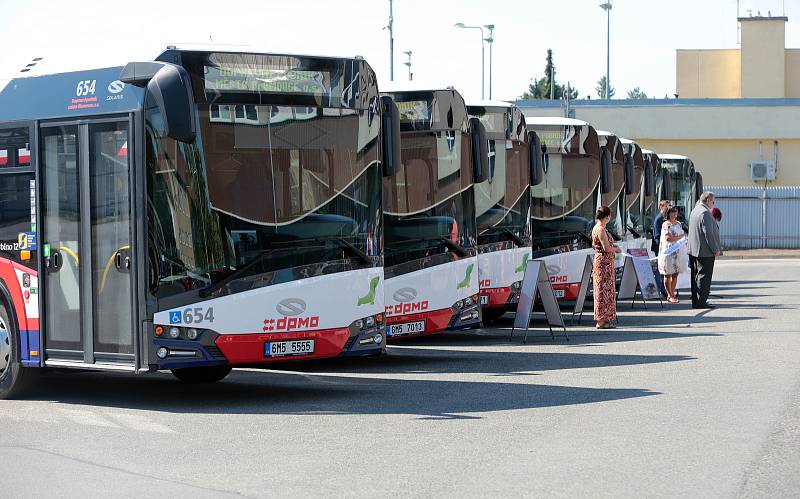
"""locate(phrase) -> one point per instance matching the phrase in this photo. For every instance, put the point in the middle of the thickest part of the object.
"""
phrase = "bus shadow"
(580, 333)
(409, 360)
(278, 393)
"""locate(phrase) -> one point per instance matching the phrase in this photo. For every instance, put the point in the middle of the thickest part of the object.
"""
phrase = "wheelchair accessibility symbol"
(174, 317)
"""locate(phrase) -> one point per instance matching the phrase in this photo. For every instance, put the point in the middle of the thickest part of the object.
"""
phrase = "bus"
(502, 206)
(638, 183)
(192, 213)
(564, 203)
(682, 183)
(430, 238)
(613, 152)
(651, 189)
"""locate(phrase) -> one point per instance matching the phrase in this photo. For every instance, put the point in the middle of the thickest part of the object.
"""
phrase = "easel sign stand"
(537, 280)
(583, 291)
(637, 274)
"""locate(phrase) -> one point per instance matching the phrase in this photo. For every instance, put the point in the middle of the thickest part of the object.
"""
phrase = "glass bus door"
(86, 215)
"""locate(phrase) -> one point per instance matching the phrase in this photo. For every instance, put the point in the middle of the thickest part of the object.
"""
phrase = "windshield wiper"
(633, 231)
(347, 246)
(514, 238)
(208, 290)
(455, 248)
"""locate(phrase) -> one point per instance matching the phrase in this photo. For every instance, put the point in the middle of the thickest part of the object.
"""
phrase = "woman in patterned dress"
(605, 299)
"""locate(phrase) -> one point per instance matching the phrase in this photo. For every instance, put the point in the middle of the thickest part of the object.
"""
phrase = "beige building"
(736, 108)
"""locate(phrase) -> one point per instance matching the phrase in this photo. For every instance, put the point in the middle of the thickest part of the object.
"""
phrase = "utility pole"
(607, 7)
(490, 40)
(391, 42)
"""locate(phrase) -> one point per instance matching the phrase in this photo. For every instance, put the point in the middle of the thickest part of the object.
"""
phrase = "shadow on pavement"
(504, 363)
(252, 392)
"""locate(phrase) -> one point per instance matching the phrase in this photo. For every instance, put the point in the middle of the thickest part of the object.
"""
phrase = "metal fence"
(757, 217)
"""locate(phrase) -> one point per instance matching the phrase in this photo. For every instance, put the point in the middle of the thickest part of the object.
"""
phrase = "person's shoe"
(706, 306)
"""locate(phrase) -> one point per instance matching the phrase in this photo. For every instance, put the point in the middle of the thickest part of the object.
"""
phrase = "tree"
(637, 93)
(601, 89)
(540, 88)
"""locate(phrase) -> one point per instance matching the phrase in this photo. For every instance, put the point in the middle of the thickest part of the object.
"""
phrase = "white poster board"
(580, 302)
(637, 274)
(536, 280)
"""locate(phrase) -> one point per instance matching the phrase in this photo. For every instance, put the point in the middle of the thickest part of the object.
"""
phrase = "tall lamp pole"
(483, 73)
(408, 63)
(607, 7)
(391, 43)
(490, 40)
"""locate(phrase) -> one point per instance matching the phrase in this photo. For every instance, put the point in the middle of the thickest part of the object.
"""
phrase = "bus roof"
(672, 156)
(554, 120)
(490, 103)
(66, 95)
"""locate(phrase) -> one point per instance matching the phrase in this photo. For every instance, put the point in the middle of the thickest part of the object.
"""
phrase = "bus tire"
(195, 375)
(14, 378)
(491, 315)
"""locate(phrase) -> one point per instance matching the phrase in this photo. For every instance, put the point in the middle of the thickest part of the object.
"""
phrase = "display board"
(637, 274)
(536, 280)
(580, 302)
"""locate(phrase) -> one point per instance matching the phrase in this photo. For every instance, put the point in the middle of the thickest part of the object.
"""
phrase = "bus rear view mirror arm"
(169, 87)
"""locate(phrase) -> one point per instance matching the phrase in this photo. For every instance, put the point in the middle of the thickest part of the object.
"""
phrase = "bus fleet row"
(210, 209)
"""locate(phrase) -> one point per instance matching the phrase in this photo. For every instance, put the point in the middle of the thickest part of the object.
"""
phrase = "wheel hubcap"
(5, 348)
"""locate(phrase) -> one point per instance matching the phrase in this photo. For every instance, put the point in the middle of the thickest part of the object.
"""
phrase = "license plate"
(405, 328)
(288, 348)
(559, 293)
(484, 299)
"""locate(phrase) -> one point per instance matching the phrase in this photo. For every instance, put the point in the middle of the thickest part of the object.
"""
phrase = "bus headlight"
(174, 332)
(370, 321)
(162, 353)
(360, 324)
(192, 334)
(378, 338)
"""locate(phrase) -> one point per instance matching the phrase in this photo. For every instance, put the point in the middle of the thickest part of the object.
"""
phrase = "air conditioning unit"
(761, 170)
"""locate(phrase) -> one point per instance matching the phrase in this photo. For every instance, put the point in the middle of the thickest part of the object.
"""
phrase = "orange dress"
(605, 299)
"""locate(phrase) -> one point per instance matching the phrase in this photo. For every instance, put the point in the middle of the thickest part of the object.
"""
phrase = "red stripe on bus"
(249, 348)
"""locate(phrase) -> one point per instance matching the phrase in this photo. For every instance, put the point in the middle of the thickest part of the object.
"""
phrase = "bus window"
(15, 148)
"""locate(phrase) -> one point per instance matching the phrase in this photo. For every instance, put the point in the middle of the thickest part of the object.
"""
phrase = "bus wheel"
(14, 379)
(201, 374)
(492, 314)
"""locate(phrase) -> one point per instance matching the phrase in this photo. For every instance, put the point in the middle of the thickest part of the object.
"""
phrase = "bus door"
(86, 222)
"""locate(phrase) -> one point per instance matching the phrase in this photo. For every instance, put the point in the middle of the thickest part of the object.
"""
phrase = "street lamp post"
(408, 63)
(490, 40)
(607, 7)
(483, 78)
(391, 42)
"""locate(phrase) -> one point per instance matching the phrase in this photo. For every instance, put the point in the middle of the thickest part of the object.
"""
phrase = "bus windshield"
(272, 190)
(502, 202)
(429, 208)
(565, 201)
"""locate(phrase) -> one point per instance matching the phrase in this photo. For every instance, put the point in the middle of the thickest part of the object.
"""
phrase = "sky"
(644, 36)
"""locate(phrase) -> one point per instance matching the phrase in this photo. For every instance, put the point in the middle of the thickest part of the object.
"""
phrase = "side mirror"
(648, 179)
(480, 151)
(390, 135)
(606, 175)
(536, 158)
(629, 175)
(171, 89)
(666, 185)
(698, 185)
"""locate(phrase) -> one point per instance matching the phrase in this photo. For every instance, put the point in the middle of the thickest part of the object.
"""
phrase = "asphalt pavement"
(677, 402)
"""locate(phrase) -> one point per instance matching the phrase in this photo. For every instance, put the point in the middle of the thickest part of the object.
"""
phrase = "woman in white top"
(672, 263)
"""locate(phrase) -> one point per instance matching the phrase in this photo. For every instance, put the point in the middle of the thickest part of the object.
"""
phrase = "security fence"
(757, 217)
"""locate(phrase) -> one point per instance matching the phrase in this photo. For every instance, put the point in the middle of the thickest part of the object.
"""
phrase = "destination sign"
(244, 78)
(414, 110)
